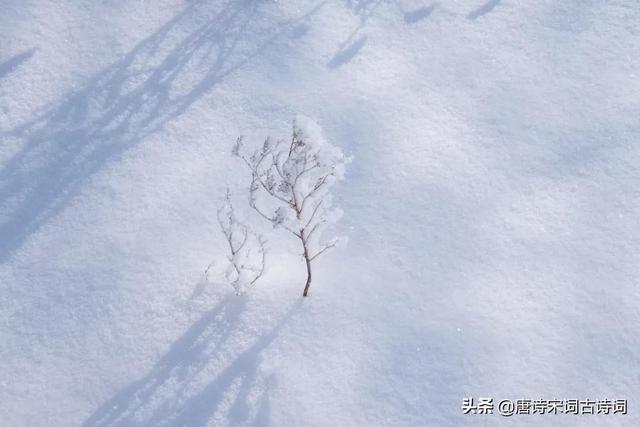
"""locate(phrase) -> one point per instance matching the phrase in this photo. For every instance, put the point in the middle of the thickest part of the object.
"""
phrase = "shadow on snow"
(172, 394)
(6, 67)
(365, 9)
(68, 142)
(483, 10)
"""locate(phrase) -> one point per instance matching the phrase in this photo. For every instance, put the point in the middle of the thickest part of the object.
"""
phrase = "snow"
(491, 207)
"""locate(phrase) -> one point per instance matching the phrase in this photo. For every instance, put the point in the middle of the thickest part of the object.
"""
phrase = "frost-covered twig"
(247, 249)
(296, 177)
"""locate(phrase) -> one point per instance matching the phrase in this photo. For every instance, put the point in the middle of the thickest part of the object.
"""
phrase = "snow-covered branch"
(247, 250)
(288, 178)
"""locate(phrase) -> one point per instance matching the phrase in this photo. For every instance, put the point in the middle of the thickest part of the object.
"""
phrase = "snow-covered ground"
(492, 209)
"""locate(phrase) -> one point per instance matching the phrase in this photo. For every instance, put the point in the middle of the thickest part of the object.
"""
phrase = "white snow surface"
(492, 209)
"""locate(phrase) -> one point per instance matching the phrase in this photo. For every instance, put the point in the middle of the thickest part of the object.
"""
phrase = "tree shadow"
(349, 48)
(171, 393)
(413, 16)
(67, 142)
(6, 67)
(365, 9)
(263, 414)
(483, 10)
(345, 54)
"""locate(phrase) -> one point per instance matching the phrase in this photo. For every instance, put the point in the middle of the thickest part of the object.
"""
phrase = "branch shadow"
(346, 53)
(411, 17)
(349, 48)
(483, 10)
(365, 9)
(69, 141)
(7, 67)
(165, 396)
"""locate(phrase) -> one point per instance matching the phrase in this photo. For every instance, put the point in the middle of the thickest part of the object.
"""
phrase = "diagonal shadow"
(67, 142)
(198, 409)
(413, 16)
(350, 47)
(6, 67)
(186, 353)
(163, 398)
(483, 10)
(365, 9)
(346, 53)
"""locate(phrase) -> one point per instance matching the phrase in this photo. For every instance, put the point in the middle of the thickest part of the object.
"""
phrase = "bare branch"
(206, 270)
(278, 167)
(313, 214)
(245, 235)
(270, 192)
(315, 227)
(257, 209)
(271, 219)
(309, 169)
(326, 247)
(321, 181)
(263, 253)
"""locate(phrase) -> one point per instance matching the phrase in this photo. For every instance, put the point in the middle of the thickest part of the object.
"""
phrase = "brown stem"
(307, 260)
